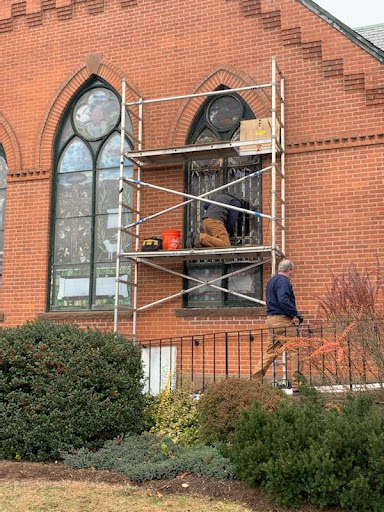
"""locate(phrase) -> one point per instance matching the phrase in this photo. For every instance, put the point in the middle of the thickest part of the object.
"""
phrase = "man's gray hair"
(285, 265)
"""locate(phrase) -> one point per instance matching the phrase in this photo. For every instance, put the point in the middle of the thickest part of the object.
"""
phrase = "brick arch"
(62, 98)
(10, 144)
(221, 76)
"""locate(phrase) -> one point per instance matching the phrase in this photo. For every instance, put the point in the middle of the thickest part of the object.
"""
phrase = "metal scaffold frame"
(273, 145)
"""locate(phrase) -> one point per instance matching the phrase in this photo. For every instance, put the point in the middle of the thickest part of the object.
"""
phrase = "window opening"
(219, 119)
(3, 194)
(85, 203)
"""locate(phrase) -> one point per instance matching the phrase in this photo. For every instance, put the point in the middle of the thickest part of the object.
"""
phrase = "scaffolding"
(272, 95)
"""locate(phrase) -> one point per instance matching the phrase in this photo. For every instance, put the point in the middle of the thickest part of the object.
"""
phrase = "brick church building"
(63, 65)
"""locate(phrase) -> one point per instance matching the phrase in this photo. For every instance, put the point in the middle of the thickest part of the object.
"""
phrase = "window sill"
(83, 315)
(216, 312)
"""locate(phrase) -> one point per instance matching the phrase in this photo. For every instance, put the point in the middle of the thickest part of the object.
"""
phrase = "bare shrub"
(349, 345)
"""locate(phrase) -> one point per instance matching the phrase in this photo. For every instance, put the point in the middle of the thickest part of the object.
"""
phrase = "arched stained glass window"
(3, 193)
(85, 209)
(219, 120)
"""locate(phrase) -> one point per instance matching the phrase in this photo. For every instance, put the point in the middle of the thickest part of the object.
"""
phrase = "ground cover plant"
(65, 388)
(307, 452)
(148, 457)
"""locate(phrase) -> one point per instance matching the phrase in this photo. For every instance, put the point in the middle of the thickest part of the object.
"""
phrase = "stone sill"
(218, 312)
(82, 315)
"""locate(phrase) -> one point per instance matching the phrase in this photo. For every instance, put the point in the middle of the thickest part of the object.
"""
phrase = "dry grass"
(66, 496)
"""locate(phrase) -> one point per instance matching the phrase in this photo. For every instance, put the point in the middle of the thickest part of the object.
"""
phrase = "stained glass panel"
(247, 283)
(201, 181)
(106, 236)
(3, 172)
(1, 245)
(74, 194)
(107, 190)
(205, 137)
(225, 112)
(129, 127)
(242, 160)
(2, 209)
(66, 133)
(249, 227)
(105, 285)
(73, 240)
(110, 153)
(71, 287)
(206, 295)
(96, 113)
(76, 157)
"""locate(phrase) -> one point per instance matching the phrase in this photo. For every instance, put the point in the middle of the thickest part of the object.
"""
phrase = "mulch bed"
(187, 484)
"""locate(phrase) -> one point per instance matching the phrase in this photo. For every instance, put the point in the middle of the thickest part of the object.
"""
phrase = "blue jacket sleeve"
(286, 299)
(232, 217)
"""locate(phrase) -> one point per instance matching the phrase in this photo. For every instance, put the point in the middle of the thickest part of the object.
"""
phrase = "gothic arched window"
(3, 193)
(219, 120)
(85, 203)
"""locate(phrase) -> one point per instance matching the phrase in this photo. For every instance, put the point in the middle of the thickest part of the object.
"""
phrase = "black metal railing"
(205, 358)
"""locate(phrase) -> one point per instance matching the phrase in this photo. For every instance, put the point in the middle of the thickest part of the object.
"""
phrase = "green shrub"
(305, 452)
(219, 408)
(150, 410)
(148, 457)
(65, 388)
(175, 415)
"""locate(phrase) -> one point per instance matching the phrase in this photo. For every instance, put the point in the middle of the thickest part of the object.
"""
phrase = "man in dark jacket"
(281, 310)
(219, 222)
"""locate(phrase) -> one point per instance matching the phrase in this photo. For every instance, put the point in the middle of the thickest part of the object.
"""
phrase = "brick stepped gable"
(34, 10)
(302, 28)
(298, 26)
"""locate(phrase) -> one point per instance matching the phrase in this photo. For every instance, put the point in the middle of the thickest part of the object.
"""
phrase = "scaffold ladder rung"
(125, 281)
(129, 232)
(127, 182)
(131, 136)
(130, 208)
(131, 111)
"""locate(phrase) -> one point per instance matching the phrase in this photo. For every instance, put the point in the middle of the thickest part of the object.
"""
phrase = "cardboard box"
(257, 129)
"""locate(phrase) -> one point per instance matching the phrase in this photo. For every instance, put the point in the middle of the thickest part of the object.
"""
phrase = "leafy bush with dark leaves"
(219, 408)
(148, 457)
(65, 388)
(305, 452)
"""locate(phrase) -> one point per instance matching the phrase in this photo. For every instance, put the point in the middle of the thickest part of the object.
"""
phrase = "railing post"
(181, 360)
(262, 352)
(203, 362)
(214, 358)
(238, 354)
(349, 364)
(192, 356)
(251, 338)
(226, 355)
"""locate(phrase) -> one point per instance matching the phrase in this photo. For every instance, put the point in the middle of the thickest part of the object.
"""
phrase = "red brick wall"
(334, 129)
